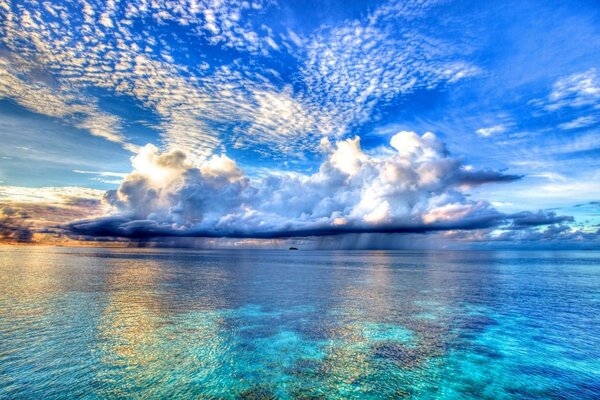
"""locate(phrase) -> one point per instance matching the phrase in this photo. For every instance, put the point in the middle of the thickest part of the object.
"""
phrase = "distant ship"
(293, 248)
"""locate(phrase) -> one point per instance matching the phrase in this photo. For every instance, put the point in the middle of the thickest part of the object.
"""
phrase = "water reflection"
(261, 324)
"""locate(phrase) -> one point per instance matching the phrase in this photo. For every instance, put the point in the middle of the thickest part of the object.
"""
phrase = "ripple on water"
(261, 325)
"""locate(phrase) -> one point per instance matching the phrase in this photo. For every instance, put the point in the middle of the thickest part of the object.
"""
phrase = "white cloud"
(51, 195)
(577, 90)
(196, 110)
(224, 23)
(104, 176)
(417, 187)
(347, 71)
(352, 68)
(551, 176)
(490, 131)
(581, 122)
(57, 101)
(583, 142)
(101, 173)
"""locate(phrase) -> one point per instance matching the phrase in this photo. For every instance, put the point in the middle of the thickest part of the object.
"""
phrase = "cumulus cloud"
(416, 188)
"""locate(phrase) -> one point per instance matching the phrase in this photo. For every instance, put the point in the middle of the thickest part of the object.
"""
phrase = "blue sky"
(507, 87)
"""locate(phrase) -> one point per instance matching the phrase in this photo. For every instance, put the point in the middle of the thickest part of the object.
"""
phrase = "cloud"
(539, 229)
(416, 188)
(474, 178)
(551, 176)
(27, 212)
(562, 234)
(580, 122)
(14, 226)
(17, 82)
(334, 78)
(51, 65)
(104, 176)
(490, 131)
(526, 219)
(225, 23)
(577, 90)
(353, 68)
(594, 203)
(48, 195)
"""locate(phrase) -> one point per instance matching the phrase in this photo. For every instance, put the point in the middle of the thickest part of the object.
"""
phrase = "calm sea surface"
(101, 323)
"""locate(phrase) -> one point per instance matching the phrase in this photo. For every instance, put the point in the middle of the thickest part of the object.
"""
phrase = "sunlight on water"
(98, 323)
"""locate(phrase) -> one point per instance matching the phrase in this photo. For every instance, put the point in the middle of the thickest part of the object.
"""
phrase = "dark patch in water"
(541, 370)
(257, 393)
(405, 357)
(546, 339)
(403, 393)
(474, 389)
(581, 391)
(302, 394)
(478, 349)
(525, 394)
(312, 332)
(304, 367)
(257, 332)
(477, 323)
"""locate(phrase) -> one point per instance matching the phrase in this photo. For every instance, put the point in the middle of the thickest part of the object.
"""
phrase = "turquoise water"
(141, 324)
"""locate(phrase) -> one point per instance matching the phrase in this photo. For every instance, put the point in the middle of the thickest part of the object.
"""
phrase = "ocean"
(98, 323)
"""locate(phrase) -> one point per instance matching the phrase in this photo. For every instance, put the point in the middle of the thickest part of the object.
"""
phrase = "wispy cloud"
(580, 122)
(490, 131)
(104, 176)
(551, 176)
(51, 195)
(576, 90)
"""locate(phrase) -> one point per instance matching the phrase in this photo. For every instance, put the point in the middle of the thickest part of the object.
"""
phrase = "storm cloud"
(14, 226)
(415, 187)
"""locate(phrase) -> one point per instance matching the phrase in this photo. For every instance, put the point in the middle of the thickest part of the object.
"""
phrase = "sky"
(326, 123)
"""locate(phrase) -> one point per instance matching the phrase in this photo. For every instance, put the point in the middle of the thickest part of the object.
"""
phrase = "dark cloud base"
(415, 190)
(14, 226)
(144, 229)
(524, 228)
